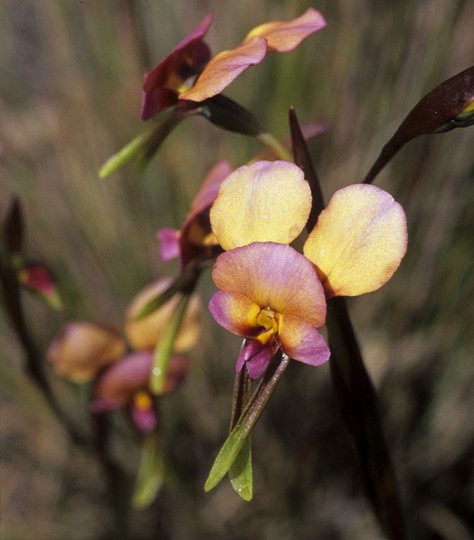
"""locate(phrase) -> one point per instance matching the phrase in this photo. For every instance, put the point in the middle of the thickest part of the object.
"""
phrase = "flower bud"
(83, 348)
(144, 333)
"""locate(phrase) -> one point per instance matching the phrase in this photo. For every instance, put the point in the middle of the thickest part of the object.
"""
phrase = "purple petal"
(145, 419)
(256, 356)
(169, 244)
(160, 89)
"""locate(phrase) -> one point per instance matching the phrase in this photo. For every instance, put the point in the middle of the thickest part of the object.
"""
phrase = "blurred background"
(70, 92)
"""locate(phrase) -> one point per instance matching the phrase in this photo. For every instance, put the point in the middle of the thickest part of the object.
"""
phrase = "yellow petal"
(284, 36)
(262, 202)
(358, 241)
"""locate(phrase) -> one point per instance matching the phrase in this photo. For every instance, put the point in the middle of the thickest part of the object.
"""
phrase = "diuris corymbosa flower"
(126, 383)
(174, 78)
(82, 349)
(195, 239)
(272, 293)
(354, 248)
(145, 333)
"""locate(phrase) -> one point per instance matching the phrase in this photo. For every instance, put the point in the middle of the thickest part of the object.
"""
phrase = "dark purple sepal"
(435, 113)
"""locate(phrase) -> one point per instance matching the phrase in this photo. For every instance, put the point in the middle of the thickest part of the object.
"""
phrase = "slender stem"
(353, 389)
(242, 392)
(117, 482)
(34, 368)
(274, 144)
(33, 364)
(264, 390)
(358, 404)
(164, 349)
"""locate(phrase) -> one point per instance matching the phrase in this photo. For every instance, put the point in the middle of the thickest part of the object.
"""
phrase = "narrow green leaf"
(240, 472)
(235, 441)
(227, 455)
(150, 474)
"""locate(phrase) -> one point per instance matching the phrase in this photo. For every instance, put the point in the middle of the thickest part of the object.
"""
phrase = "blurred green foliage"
(70, 89)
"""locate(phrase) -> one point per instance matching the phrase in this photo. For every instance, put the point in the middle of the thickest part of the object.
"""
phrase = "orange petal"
(262, 202)
(358, 241)
(284, 36)
(224, 68)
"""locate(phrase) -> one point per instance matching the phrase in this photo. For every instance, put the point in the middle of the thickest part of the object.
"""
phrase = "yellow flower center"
(268, 319)
(142, 400)
(470, 107)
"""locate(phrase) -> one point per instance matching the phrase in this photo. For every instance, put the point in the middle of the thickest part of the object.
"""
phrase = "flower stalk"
(234, 443)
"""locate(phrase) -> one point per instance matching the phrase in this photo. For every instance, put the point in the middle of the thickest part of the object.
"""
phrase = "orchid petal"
(169, 243)
(262, 202)
(116, 387)
(196, 228)
(210, 187)
(284, 36)
(224, 68)
(236, 313)
(160, 89)
(256, 356)
(301, 341)
(118, 384)
(358, 241)
(143, 413)
(273, 275)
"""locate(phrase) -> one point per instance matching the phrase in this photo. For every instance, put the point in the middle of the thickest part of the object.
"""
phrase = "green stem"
(117, 481)
(242, 392)
(274, 144)
(164, 349)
